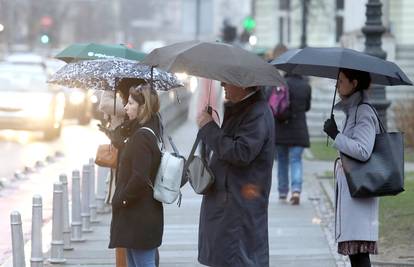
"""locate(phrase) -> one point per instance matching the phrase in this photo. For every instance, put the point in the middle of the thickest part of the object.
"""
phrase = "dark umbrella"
(215, 61)
(89, 51)
(103, 74)
(326, 62)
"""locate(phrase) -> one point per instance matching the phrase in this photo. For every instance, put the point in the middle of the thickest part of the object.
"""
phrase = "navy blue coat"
(294, 131)
(233, 228)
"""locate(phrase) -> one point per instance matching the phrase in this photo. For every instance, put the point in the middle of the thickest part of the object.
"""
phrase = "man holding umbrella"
(233, 228)
(233, 219)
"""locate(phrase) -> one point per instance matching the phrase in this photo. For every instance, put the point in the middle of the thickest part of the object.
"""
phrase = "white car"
(28, 102)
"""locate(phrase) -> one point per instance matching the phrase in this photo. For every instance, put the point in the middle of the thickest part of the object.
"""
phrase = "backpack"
(167, 183)
(279, 103)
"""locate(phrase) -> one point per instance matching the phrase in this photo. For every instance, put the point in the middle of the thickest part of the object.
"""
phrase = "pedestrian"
(233, 229)
(137, 218)
(116, 119)
(356, 219)
(292, 137)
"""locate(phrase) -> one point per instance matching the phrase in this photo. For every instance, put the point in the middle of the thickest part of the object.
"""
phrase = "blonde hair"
(148, 102)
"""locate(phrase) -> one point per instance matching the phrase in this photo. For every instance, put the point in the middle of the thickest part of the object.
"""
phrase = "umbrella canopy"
(88, 51)
(326, 62)
(102, 74)
(216, 61)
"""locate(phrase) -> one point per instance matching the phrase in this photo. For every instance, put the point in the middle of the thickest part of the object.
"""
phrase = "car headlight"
(39, 108)
(77, 97)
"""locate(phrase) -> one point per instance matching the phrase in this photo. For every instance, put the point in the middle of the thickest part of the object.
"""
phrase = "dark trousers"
(360, 260)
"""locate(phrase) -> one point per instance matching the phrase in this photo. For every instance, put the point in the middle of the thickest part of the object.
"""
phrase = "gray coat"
(356, 218)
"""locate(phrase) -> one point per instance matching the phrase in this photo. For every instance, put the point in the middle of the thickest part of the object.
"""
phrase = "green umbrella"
(89, 51)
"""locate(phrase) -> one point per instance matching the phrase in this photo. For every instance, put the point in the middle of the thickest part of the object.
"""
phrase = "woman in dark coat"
(233, 228)
(137, 218)
(291, 137)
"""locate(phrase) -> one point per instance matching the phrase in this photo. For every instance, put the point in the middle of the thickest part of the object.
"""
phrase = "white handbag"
(168, 180)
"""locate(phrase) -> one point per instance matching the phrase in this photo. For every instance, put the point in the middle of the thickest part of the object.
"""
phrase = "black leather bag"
(383, 173)
(199, 174)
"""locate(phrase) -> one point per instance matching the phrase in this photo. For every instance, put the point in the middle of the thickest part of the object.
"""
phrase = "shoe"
(282, 197)
(295, 198)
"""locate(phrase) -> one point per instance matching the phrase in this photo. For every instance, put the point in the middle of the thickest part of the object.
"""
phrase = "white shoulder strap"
(156, 137)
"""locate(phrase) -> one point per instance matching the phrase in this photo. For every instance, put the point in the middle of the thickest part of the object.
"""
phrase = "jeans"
(289, 156)
(141, 258)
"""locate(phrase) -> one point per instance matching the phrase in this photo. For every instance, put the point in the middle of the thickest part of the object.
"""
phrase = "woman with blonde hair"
(137, 218)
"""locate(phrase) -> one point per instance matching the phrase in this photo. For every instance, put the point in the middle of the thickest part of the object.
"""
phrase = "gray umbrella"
(102, 74)
(326, 62)
(216, 61)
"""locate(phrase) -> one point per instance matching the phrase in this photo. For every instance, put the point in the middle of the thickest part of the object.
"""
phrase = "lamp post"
(373, 31)
(305, 15)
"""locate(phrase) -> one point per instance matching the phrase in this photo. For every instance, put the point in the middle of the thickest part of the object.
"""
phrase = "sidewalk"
(295, 233)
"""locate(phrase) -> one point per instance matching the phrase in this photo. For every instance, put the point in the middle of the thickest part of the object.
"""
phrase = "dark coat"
(137, 218)
(294, 131)
(233, 228)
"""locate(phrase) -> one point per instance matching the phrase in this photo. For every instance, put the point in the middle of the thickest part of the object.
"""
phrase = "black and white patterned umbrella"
(103, 74)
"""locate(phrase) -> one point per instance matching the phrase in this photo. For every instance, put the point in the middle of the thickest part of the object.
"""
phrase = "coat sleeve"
(140, 180)
(361, 143)
(241, 149)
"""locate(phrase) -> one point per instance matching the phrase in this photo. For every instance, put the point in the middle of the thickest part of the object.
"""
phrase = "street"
(20, 149)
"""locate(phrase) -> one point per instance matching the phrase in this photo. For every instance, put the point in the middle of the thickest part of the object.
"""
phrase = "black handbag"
(383, 173)
(198, 172)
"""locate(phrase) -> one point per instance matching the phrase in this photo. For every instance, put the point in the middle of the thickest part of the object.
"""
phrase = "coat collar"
(352, 101)
(232, 108)
(134, 125)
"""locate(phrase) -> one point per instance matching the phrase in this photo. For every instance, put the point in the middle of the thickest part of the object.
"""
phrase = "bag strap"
(159, 142)
(191, 155)
(382, 128)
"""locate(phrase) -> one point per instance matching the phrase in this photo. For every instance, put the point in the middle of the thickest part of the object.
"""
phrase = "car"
(28, 102)
(78, 102)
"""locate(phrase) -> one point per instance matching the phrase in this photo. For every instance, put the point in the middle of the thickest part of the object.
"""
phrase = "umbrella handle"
(333, 104)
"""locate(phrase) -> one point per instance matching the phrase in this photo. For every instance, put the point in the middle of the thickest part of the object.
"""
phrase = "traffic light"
(44, 39)
(249, 24)
(46, 23)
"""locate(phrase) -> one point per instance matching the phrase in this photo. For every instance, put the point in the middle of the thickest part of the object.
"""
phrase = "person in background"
(115, 119)
(356, 219)
(292, 137)
(137, 218)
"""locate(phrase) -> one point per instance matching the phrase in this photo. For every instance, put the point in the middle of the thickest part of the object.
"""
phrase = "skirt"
(355, 247)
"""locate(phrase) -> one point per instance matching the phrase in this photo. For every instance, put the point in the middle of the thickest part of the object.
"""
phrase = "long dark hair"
(363, 78)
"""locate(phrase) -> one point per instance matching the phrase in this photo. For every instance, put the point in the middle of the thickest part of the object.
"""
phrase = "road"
(20, 149)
